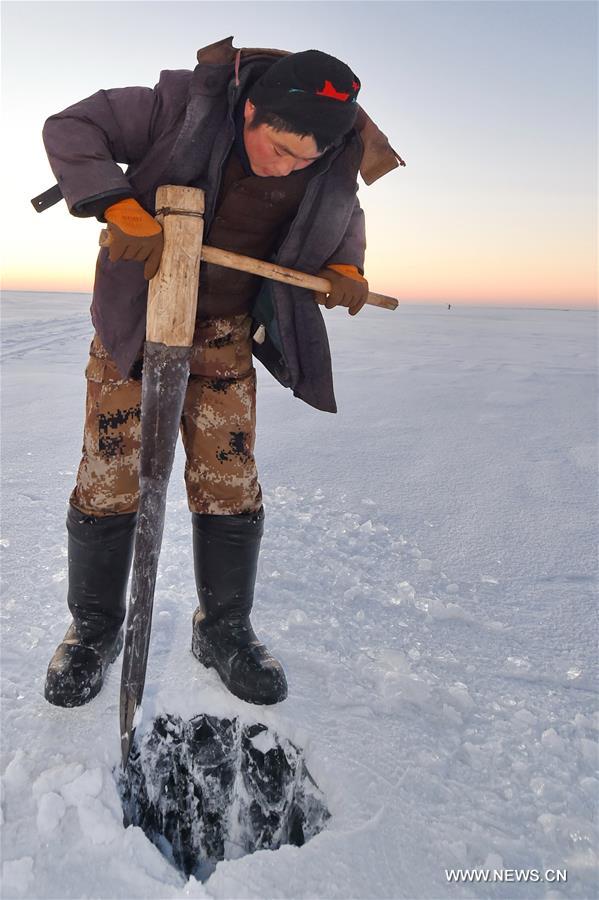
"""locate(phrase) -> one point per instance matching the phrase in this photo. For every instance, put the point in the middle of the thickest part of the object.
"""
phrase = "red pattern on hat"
(330, 91)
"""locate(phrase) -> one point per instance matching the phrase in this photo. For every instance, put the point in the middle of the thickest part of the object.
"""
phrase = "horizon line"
(592, 307)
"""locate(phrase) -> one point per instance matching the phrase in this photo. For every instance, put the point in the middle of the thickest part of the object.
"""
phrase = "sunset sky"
(491, 104)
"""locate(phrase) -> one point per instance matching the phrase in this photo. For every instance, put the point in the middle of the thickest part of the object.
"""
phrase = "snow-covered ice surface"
(427, 579)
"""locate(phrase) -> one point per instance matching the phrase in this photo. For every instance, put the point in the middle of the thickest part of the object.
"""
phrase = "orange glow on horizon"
(410, 291)
(474, 291)
(53, 282)
(516, 279)
(417, 274)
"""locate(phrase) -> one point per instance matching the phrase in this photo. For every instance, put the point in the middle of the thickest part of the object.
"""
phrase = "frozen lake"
(428, 579)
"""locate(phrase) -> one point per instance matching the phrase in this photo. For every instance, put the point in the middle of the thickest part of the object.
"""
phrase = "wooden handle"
(173, 292)
(231, 260)
(280, 273)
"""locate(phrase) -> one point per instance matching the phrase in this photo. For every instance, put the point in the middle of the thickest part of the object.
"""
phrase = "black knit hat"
(309, 90)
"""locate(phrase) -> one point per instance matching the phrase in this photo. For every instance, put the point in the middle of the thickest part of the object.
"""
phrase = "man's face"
(275, 153)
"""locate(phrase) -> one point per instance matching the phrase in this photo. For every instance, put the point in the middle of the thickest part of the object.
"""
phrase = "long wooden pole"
(172, 301)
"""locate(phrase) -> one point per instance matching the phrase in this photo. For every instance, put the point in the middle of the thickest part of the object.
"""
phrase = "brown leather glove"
(134, 235)
(348, 288)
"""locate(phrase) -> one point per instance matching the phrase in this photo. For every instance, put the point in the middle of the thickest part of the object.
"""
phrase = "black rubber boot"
(225, 553)
(100, 553)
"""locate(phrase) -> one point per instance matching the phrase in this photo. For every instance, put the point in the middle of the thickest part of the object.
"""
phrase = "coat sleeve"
(85, 142)
(352, 247)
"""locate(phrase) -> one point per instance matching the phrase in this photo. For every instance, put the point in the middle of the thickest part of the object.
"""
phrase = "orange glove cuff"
(132, 218)
(348, 271)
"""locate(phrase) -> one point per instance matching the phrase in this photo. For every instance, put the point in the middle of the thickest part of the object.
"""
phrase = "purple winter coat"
(180, 132)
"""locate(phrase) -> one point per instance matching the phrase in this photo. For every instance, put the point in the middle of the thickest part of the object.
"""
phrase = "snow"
(427, 579)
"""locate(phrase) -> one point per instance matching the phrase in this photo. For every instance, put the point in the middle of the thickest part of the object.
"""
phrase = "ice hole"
(210, 789)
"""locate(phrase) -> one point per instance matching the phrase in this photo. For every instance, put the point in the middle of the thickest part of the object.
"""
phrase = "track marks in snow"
(22, 340)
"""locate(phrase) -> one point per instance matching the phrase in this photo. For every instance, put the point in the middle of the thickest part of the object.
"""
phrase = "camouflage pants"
(217, 427)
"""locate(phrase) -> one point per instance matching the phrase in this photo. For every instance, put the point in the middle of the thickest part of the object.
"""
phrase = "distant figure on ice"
(449, 306)
(276, 140)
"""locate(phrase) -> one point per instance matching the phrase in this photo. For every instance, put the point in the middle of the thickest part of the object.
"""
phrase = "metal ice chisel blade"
(165, 376)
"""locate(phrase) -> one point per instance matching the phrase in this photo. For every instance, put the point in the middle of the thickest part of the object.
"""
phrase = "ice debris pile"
(210, 789)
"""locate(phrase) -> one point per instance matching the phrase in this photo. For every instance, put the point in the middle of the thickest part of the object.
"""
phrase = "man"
(275, 141)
